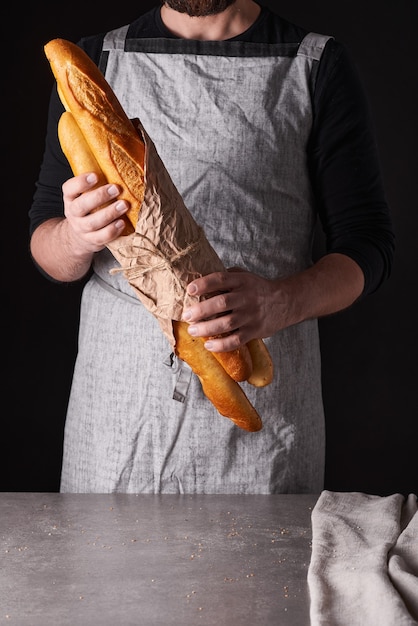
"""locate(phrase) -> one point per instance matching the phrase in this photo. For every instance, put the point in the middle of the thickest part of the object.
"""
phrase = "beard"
(199, 8)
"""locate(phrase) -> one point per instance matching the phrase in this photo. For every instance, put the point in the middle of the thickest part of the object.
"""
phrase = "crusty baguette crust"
(96, 135)
(263, 371)
(110, 134)
(76, 148)
(238, 363)
(79, 155)
(224, 393)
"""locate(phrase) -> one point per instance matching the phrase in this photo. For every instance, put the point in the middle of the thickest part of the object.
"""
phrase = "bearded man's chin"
(199, 8)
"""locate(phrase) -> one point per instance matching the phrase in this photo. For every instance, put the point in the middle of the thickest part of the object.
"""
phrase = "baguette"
(238, 363)
(76, 148)
(96, 135)
(263, 371)
(225, 394)
(109, 133)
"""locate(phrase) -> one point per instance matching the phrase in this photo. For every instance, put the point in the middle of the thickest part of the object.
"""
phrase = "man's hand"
(91, 229)
(243, 305)
(235, 303)
(64, 246)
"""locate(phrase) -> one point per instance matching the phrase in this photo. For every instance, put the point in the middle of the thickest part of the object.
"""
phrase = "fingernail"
(112, 190)
(121, 206)
(187, 315)
(91, 178)
(119, 225)
(208, 345)
(192, 289)
(192, 330)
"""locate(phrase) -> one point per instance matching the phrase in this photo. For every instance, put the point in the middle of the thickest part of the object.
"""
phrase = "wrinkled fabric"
(364, 564)
(232, 131)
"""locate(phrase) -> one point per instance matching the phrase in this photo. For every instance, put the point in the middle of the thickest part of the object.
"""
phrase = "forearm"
(56, 253)
(332, 284)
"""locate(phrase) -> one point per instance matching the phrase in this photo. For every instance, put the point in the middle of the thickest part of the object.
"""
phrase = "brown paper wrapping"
(168, 248)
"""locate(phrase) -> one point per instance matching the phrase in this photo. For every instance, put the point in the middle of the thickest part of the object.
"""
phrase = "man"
(263, 127)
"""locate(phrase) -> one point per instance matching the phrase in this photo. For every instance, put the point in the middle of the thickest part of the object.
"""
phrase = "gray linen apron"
(231, 121)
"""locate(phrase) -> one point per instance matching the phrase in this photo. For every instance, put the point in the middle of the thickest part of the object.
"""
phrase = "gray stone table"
(149, 560)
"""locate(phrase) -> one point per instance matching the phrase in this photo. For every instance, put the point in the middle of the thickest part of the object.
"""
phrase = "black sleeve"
(346, 171)
(55, 170)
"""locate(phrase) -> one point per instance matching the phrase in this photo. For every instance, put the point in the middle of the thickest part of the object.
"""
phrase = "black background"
(369, 352)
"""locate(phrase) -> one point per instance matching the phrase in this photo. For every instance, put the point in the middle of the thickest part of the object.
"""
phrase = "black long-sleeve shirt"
(342, 152)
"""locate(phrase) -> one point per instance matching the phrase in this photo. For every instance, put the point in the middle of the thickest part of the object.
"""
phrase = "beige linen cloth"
(364, 562)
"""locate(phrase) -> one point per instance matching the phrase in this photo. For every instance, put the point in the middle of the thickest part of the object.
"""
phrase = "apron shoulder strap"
(113, 40)
(313, 45)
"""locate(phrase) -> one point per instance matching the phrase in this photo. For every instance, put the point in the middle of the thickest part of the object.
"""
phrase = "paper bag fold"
(168, 248)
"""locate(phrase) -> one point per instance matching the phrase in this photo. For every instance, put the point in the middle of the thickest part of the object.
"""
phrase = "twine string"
(133, 251)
